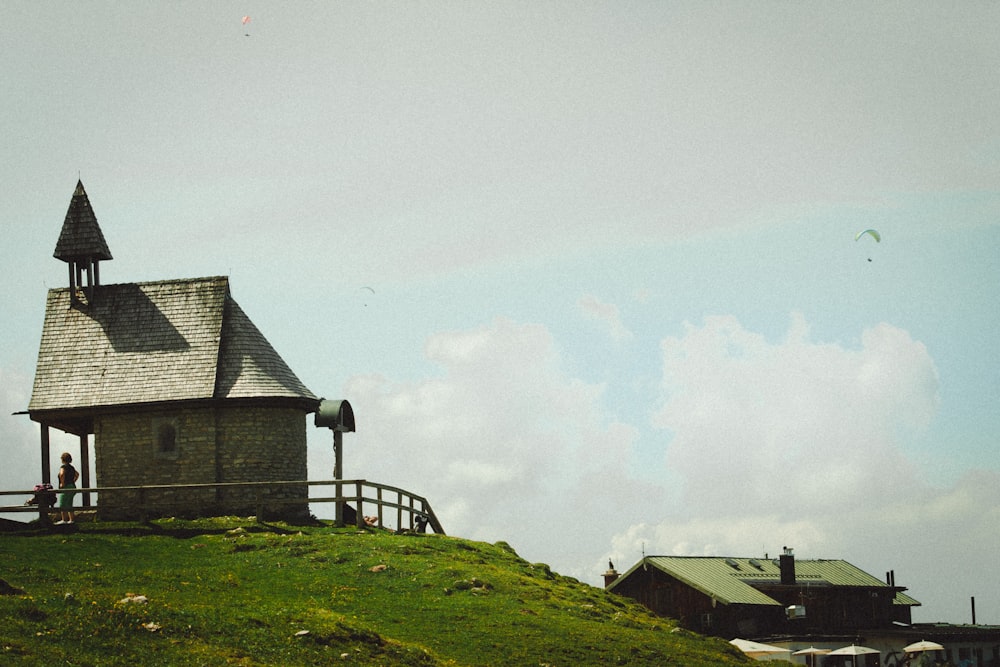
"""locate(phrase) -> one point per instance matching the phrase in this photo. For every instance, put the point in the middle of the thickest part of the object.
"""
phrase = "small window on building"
(165, 437)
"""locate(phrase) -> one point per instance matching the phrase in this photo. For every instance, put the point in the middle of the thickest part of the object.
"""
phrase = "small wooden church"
(173, 381)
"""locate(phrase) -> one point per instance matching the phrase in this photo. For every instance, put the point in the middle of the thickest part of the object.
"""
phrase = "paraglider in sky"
(370, 290)
(246, 22)
(870, 232)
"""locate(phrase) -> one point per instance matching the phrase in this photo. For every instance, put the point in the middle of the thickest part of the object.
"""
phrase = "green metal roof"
(731, 580)
(713, 577)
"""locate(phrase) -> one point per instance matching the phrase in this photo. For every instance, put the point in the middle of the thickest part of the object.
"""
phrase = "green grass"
(228, 591)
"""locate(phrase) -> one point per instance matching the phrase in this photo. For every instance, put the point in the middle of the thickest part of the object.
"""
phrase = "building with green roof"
(753, 597)
(803, 608)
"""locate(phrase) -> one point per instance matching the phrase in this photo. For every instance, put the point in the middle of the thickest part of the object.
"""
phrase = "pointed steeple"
(81, 237)
(81, 243)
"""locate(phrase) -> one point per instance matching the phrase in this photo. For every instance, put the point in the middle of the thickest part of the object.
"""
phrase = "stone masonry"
(208, 445)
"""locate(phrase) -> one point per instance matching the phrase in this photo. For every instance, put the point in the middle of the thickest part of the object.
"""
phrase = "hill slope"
(230, 591)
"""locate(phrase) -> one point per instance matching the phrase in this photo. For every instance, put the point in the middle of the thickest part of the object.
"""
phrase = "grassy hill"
(229, 591)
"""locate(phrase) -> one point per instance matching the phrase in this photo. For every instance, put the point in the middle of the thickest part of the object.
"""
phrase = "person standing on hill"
(67, 480)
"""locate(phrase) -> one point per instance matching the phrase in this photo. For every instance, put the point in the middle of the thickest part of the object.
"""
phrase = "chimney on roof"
(81, 245)
(611, 575)
(786, 563)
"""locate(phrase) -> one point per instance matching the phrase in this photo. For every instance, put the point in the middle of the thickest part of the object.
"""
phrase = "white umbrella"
(811, 653)
(854, 651)
(756, 649)
(922, 645)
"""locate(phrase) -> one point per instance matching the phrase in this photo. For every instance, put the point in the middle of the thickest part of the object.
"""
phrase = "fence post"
(359, 517)
(339, 506)
(43, 512)
(379, 496)
(259, 503)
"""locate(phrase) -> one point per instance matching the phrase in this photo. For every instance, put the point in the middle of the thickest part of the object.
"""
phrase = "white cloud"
(715, 536)
(504, 444)
(606, 313)
(794, 424)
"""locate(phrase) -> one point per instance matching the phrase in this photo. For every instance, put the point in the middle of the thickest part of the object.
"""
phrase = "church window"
(165, 437)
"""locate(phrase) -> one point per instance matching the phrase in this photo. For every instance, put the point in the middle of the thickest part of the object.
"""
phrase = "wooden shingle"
(173, 340)
(81, 236)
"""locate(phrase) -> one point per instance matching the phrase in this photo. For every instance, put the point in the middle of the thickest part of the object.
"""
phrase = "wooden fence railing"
(386, 504)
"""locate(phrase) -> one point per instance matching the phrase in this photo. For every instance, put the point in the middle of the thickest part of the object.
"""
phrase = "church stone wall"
(258, 444)
(201, 445)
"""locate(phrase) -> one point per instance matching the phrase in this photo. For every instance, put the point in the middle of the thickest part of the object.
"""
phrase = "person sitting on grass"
(67, 480)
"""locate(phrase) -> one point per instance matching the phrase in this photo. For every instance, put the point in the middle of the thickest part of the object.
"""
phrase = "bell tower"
(82, 246)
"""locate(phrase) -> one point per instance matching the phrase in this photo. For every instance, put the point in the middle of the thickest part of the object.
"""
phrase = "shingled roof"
(140, 343)
(81, 236)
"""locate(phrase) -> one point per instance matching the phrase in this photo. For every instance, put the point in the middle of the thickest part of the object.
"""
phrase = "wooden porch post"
(43, 508)
(46, 469)
(85, 468)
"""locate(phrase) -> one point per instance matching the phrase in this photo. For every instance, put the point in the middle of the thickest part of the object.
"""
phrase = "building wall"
(837, 609)
(258, 444)
(200, 445)
(666, 596)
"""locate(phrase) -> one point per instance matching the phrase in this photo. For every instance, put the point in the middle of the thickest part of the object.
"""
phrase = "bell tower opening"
(82, 246)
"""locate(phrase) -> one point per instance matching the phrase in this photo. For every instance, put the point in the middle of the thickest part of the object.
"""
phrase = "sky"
(586, 271)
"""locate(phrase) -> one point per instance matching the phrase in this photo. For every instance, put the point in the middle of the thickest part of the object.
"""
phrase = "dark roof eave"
(55, 415)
